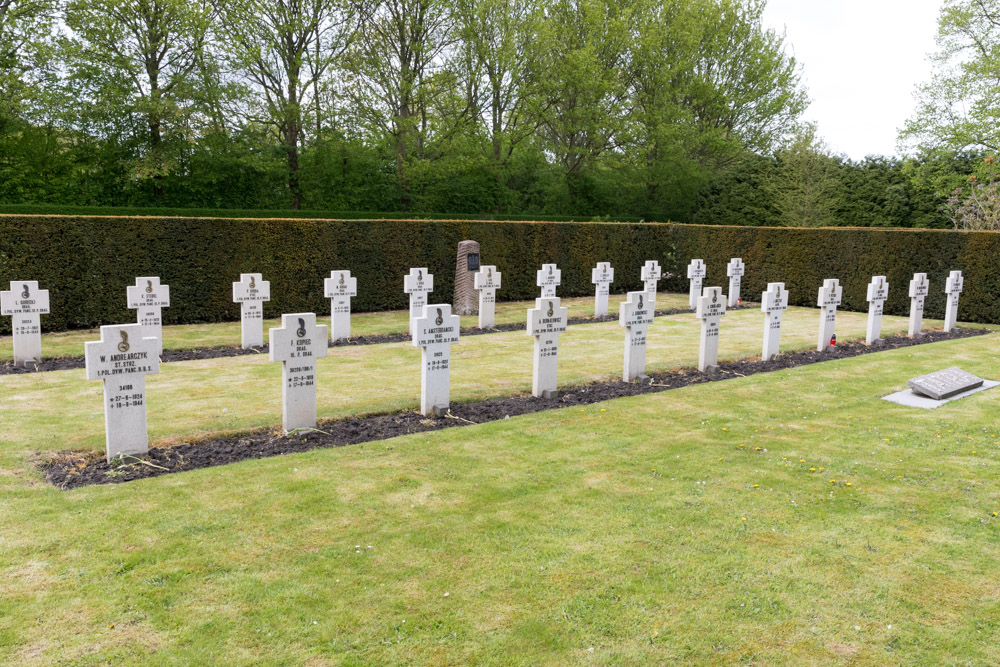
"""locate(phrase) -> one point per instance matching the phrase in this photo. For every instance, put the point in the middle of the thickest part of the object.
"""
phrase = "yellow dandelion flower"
(812, 469)
(756, 485)
(847, 484)
(994, 514)
(802, 460)
(741, 445)
(833, 481)
(724, 428)
(822, 469)
(743, 519)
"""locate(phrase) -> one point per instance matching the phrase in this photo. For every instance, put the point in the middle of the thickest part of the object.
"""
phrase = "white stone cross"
(123, 358)
(953, 287)
(650, 276)
(487, 281)
(635, 314)
(148, 297)
(434, 332)
(696, 274)
(735, 270)
(545, 322)
(296, 344)
(711, 308)
(773, 303)
(829, 298)
(339, 288)
(878, 292)
(602, 276)
(418, 283)
(549, 277)
(919, 289)
(25, 304)
(251, 292)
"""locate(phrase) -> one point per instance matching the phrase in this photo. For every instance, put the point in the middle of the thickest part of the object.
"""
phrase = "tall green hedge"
(87, 262)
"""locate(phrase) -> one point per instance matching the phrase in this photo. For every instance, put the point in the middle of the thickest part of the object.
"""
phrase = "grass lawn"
(781, 518)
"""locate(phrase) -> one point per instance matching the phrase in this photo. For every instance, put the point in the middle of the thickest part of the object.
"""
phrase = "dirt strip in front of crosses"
(73, 470)
(69, 363)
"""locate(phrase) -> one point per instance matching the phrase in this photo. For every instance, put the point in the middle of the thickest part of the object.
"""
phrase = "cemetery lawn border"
(72, 470)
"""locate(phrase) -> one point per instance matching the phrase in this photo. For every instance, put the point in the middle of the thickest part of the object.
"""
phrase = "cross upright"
(635, 314)
(711, 309)
(297, 343)
(251, 292)
(953, 288)
(602, 276)
(148, 297)
(696, 274)
(487, 281)
(122, 359)
(545, 322)
(549, 277)
(650, 276)
(735, 270)
(878, 292)
(773, 303)
(434, 332)
(339, 288)
(418, 283)
(919, 289)
(829, 298)
(24, 303)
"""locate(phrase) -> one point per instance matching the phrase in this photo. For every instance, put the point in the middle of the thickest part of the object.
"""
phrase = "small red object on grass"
(833, 341)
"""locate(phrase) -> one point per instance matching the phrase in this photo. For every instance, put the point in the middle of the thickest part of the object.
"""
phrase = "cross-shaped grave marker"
(953, 288)
(122, 359)
(602, 276)
(339, 288)
(251, 292)
(148, 297)
(650, 276)
(25, 304)
(545, 322)
(434, 332)
(829, 298)
(487, 281)
(735, 271)
(549, 277)
(919, 289)
(696, 274)
(711, 308)
(635, 314)
(296, 344)
(773, 303)
(878, 292)
(418, 283)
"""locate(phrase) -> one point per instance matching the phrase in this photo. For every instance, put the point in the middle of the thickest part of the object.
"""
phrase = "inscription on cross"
(696, 274)
(735, 270)
(549, 277)
(418, 283)
(487, 281)
(953, 288)
(602, 276)
(251, 292)
(635, 314)
(829, 298)
(297, 343)
(878, 292)
(122, 359)
(650, 276)
(711, 308)
(148, 297)
(545, 322)
(434, 332)
(339, 288)
(773, 303)
(919, 289)
(24, 303)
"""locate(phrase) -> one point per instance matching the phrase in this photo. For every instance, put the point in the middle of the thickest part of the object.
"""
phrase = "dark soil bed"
(64, 363)
(70, 471)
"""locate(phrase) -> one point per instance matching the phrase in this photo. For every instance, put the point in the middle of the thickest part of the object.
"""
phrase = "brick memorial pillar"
(466, 265)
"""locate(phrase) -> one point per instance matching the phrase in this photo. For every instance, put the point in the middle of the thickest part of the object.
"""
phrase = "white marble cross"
(953, 288)
(549, 277)
(919, 289)
(696, 274)
(635, 314)
(735, 270)
(251, 292)
(650, 276)
(545, 322)
(878, 292)
(773, 303)
(602, 276)
(339, 288)
(296, 344)
(487, 281)
(148, 297)
(711, 308)
(123, 358)
(25, 304)
(434, 332)
(418, 283)
(829, 298)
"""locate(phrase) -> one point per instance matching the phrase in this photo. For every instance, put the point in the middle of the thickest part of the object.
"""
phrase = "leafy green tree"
(805, 186)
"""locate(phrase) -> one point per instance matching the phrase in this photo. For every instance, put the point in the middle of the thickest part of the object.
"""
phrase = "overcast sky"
(861, 60)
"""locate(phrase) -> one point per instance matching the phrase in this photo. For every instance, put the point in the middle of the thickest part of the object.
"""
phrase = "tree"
(805, 186)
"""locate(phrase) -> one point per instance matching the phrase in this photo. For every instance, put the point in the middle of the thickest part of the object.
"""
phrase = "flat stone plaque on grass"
(944, 384)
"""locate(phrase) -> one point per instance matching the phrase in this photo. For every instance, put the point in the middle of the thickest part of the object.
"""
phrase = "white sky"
(861, 61)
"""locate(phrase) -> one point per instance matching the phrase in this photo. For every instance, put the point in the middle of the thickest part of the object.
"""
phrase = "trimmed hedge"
(87, 262)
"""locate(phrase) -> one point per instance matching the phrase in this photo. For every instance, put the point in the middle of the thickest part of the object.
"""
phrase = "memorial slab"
(773, 303)
(487, 282)
(602, 276)
(953, 288)
(735, 270)
(696, 275)
(919, 289)
(251, 292)
(878, 292)
(418, 283)
(549, 277)
(148, 298)
(829, 298)
(24, 303)
(340, 288)
(710, 310)
(545, 322)
(944, 384)
(434, 332)
(297, 343)
(650, 276)
(635, 314)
